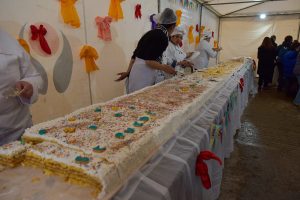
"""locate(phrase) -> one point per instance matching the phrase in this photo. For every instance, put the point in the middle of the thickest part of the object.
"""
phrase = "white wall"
(114, 56)
(242, 37)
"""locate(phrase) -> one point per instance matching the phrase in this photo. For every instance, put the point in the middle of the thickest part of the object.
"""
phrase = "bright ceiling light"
(262, 16)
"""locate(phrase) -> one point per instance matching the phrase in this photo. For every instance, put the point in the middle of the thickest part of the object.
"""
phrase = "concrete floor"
(266, 161)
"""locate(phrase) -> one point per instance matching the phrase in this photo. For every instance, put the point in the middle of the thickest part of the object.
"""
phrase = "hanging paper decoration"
(178, 14)
(90, 55)
(190, 35)
(202, 29)
(69, 13)
(104, 28)
(197, 40)
(39, 33)
(115, 10)
(24, 44)
(197, 28)
(212, 34)
(202, 169)
(153, 22)
(138, 12)
(216, 44)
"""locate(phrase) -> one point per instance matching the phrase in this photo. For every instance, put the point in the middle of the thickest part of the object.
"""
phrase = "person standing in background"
(19, 84)
(206, 51)
(297, 74)
(281, 50)
(266, 57)
(273, 38)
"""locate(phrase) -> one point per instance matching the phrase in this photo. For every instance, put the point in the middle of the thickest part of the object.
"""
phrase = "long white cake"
(103, 144)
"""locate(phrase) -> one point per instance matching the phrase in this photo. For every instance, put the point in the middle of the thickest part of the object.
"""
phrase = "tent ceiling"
(240, 8)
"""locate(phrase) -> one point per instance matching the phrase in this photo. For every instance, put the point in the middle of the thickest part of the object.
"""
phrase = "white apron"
(141, 76)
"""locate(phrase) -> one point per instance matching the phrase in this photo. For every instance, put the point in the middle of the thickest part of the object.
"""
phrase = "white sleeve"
(30, 75)
(208, 48)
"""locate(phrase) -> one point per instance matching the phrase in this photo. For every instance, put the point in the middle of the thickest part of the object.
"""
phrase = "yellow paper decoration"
(202, 29)
(69, 13)
(115, 10)
(190, 35)
(197, 40)
(90, 55)
(24, 44)
(178, 14)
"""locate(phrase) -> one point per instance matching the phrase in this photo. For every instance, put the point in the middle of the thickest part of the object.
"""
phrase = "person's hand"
(26, 88)
(189, 54)
(186, 63)
(170, 70)
(217, 49)
(122, 75)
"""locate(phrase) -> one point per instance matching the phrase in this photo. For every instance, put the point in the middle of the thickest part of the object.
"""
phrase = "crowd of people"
(286, 58)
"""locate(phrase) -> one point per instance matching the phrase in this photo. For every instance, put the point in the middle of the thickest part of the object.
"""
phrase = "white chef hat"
(178, 31)
(207, 34)
(168, 16)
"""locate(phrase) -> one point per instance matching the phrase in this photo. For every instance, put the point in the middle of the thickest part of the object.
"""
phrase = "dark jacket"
(266, 60)
(297, 66)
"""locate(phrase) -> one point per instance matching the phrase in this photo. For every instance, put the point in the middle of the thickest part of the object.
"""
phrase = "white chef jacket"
(171, 56)
(15, 65)
(206, 52)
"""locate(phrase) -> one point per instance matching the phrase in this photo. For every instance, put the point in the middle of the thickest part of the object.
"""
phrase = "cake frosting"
(103, 144)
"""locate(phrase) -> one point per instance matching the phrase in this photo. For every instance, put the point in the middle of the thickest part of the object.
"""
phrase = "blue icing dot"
(137, 124)
(82, 159)
(119, 135)
(42, 132)
(93, 127)
(98, 148)
(118, 115)
(129, 130)
(98, 110)
(144, 119)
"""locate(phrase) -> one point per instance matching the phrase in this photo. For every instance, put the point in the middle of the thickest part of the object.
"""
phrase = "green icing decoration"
(129, 130)
(22, 141)
(98, 110)
(99, 149)
(131, 107)
(81, 159)
(137, 124)
(144, 119)
(119, 135)
(118, 115)
(42, 131)
(93, 127)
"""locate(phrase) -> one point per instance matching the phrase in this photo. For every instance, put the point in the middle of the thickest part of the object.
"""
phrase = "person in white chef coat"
(206, 51)
(19, 84)
(174, 55)
(146, 58)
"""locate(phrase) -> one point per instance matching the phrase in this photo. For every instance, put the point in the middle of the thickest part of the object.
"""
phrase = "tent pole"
(158, 6)
(243, 16)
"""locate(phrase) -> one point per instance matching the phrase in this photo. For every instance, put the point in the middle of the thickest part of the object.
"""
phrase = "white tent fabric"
(231, 8)
(242, 37)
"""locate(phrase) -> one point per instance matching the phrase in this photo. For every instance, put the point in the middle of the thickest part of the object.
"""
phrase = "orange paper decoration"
(190, 35)
(90, 55)
(178, 14)
(69, 13)
(115, 10)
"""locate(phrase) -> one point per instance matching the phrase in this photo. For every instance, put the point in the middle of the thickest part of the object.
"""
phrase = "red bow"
(138, 13)
(213, 34)
(39, 33)
(197, 28)
(254, 65)
(202, 169)
(241, 84)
